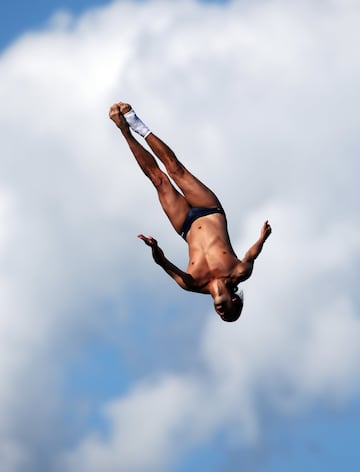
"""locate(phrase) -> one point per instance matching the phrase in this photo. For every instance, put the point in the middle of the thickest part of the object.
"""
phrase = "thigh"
(173, 203)
(196, 193)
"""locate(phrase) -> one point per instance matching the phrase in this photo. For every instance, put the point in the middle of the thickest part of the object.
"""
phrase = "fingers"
(141, 236)
(148, 240)
(266, 229)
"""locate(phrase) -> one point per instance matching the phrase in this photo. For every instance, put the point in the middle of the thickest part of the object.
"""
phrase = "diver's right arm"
(183, 279)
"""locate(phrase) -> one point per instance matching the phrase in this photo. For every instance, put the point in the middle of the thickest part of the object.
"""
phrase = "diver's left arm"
(256, 248)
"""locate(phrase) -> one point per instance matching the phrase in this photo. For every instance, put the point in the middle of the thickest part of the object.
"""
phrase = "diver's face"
(227, 305)
(220, 308)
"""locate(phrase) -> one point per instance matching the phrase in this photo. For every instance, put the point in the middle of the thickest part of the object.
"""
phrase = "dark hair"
(236, 309)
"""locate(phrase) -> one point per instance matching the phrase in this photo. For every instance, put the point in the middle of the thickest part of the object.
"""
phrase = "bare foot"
(124, 107)
(116, 115)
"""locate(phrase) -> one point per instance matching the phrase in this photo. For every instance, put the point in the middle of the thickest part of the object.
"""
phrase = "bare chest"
(210, 252)
(207, 265)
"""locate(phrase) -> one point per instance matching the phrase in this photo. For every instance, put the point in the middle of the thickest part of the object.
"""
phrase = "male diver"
(197, 215)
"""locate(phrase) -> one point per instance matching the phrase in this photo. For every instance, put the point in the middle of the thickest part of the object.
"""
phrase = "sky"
(105, 364)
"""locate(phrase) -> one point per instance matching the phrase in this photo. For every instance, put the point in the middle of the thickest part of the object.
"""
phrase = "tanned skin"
(213, 266)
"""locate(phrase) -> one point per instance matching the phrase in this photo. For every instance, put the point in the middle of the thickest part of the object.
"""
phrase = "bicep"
(246, 268)
(183, 279)
(253, 252)
(248, 258)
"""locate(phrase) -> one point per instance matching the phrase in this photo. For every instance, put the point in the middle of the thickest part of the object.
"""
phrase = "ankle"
(136, 124)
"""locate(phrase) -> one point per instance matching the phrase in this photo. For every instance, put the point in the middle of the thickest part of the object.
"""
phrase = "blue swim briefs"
(197, 212)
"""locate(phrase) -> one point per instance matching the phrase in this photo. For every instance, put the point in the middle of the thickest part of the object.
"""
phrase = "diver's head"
(229, 306)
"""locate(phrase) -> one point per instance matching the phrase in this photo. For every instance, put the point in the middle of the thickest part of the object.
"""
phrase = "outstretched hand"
(148, 240)
(265, 230)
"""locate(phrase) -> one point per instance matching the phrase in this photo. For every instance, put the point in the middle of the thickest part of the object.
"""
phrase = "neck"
(217, 290)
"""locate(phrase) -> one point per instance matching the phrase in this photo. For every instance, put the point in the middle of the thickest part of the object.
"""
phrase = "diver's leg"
(173, 203)
(196, 192)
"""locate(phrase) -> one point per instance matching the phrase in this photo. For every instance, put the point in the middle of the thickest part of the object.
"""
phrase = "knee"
(176, 170)
(159, 179)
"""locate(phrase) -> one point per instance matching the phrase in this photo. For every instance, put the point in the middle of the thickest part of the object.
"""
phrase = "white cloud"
(260, 101)
(170, 400)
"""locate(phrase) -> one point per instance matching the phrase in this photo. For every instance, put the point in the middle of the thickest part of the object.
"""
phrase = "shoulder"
(196, 287)
(186, 282)
(195, 284)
